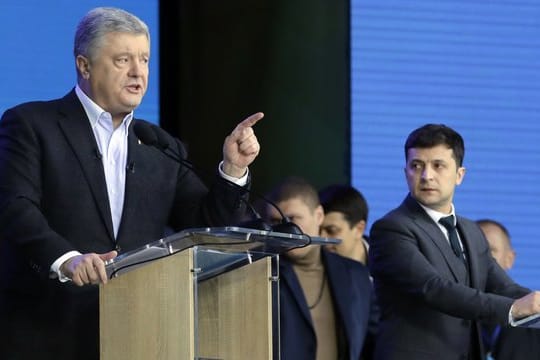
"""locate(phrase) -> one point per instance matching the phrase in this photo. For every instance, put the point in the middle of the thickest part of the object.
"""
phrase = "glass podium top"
(224, 248)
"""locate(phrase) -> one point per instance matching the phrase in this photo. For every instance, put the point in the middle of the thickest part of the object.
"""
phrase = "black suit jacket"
(351, 292)
(53, 199)
(430, 302)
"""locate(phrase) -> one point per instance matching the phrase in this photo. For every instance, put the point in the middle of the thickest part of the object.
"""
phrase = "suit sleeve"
(22, 224)
(223, 204)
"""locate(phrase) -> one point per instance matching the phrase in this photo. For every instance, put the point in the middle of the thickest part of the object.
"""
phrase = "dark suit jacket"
(351, 293)
(430, 304)
(53, 199)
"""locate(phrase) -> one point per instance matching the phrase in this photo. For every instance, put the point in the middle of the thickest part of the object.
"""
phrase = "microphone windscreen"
(145, 133)
(162, 138)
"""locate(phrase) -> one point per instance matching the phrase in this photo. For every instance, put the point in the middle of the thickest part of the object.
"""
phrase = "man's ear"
(319, 214)
(510, 258)
(83, 66)
(360, 228)
(460, 175)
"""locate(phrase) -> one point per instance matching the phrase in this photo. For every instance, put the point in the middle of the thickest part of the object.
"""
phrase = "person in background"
(503, 342)
(434, 276)
(324, 297)
(77, 188)
(345, 218)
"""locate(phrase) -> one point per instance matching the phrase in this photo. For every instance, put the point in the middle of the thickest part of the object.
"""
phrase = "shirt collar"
(95, 112)
(436, 215)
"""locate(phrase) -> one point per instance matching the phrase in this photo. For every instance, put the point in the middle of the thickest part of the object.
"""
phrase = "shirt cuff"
(238, 181)
(511, 319)
(55, 272)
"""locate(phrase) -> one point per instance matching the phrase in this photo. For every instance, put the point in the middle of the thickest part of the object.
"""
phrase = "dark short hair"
(431, 135)
(346, 200)
(294, 187)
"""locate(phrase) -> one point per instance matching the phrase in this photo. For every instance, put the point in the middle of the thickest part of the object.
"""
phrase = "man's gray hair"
(99, 22)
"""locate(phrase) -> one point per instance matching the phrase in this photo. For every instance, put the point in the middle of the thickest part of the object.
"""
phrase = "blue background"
(37, 60)
(473, 65)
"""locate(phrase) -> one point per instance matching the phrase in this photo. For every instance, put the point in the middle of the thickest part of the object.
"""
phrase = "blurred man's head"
(299, 201)
(499, 242)
(345, 217)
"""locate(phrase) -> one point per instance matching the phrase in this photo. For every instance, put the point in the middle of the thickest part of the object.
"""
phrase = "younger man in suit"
(345, 218)
(324, 298)
(435, 281)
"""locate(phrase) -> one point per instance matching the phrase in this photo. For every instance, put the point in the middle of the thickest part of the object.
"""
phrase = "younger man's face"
(432, 175)
(336, 226)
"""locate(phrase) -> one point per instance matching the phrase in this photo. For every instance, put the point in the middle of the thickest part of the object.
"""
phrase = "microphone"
(145, 133)
(155, 136)
(131, 167)
(256, 223)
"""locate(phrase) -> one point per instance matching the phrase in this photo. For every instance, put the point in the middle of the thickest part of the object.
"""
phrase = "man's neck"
(312, 259)
(359, 252)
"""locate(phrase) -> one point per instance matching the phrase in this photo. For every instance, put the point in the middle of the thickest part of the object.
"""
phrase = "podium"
(208, 293)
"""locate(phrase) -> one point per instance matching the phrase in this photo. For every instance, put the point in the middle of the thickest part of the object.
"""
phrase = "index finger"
(251, 120)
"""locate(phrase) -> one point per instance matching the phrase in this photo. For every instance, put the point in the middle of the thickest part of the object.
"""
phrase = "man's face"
(499, 246)
(336, 226)
(309, 220)
(432, 175)
(116, 76)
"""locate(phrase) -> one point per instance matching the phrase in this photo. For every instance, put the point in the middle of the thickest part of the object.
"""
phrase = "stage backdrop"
(472, 65)
(37, 49)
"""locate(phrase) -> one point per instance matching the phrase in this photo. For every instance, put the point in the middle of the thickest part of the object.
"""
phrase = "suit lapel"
(76, 127)
(437, 238)
(343, 293)
(463, 228)
(291, 280)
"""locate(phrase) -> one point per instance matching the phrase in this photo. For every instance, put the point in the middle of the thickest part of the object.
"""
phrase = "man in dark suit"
(76, 188)
(324, 297)
(435, 282)
(345, 218)
(506, 342)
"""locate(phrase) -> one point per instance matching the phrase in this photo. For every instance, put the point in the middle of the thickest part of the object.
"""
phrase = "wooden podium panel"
(160, 312)
(148, 313)
(235, 314)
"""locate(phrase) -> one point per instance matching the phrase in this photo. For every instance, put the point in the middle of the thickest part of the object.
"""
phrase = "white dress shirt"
(436, 216)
